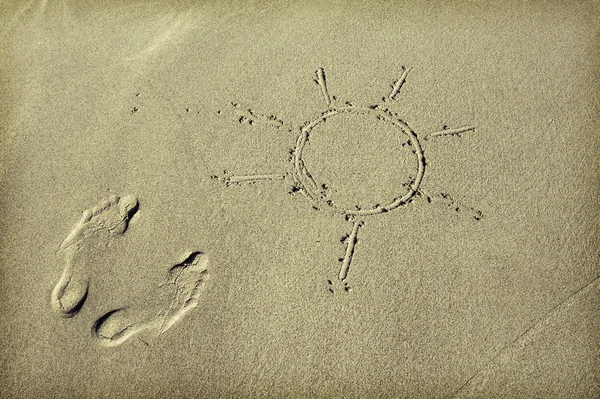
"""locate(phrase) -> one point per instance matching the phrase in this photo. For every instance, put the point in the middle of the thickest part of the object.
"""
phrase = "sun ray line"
(399, 83)
(351, 243)
(322, 81)
(450, 132)
(450, 202)
(251, 117)
(240, 179)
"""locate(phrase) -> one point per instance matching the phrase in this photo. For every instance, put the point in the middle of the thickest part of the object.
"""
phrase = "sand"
(336, 200)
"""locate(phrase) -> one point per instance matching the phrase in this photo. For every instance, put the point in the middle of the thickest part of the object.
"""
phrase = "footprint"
(116, 326)
(110, 218)
(182, 288)
(186, 280)
(99, 224)
(69, 295)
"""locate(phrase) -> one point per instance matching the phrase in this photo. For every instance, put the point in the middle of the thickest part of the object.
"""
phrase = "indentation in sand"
(182, 287)
(337, 191)
(98, 225)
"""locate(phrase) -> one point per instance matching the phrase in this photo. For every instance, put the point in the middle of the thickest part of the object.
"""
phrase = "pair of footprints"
(99, 225)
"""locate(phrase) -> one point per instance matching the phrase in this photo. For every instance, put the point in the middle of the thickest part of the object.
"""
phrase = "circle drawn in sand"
(317, 193)
(299, 174)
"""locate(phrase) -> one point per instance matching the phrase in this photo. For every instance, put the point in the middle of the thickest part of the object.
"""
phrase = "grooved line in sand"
(450, 132)
(231, 180)
(321, 80)
(350, 244)
(317, 192)
(251, 117)
(399, 83)
(535, 326)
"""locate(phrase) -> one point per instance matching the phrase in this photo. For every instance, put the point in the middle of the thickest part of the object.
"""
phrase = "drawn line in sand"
(450, 132)
(477, 381)
(449, 201)
(351, 242)
(251, 117)
(232, 180)
(98, 225)
(321, 80)
(300, 178)
(399, 83)
(182, 287)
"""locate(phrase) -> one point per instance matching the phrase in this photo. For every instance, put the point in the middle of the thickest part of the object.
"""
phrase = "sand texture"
(258, 199)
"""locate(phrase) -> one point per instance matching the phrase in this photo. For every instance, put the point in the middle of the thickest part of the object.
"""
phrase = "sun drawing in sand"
(301, 175)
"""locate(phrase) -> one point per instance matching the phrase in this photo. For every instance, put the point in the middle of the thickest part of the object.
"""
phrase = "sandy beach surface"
(270, 199)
